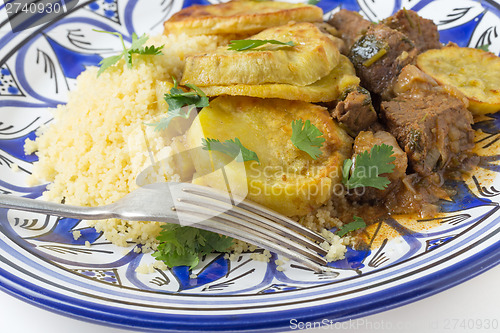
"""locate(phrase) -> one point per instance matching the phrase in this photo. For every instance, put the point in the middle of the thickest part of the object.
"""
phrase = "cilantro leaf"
(135, 48)
(137, 43)
(358, 223)
(148, 50)
(171, 114)
(484, 47)
(368, 166)
(153, 50)
(108, 62)
(247, 44)
(307, 137)
(183, 245)
(231, 148)
(177, 99)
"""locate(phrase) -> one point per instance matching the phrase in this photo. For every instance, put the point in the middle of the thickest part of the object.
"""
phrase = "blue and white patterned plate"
(41, 262)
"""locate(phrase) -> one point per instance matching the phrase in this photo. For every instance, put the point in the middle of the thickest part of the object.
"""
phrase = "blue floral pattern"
(38, 70)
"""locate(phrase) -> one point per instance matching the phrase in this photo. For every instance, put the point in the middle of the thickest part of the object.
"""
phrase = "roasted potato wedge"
(314, 56)
(239, 17)
(474, 72)
(287, 179)
(326, 89)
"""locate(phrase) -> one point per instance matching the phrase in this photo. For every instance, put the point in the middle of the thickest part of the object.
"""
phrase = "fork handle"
(51, 208)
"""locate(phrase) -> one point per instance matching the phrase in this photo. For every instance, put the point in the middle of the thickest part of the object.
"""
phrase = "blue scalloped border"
(262, 322)
(371, 303)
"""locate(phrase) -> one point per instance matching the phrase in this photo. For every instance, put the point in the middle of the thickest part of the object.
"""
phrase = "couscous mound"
(94, 149)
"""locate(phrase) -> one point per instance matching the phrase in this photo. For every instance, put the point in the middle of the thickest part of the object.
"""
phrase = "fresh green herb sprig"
(248, 44)
(485, 47)
(368, 167)
(171, 114)
(135, 48)
(177, 99)
(313, 2)
(358, 223)
(307, 137)
(184, 245)
(231, 148)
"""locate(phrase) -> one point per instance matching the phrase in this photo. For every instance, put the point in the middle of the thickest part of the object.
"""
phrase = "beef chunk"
(434, 129)
(422, 32)
(365, 142)
(351, 25)
(413, 81)
(355, 111)
(379, 56)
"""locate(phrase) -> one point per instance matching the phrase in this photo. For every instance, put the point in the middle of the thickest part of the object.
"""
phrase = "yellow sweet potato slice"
(326, 89)
(287, 179)
(313, 57)
(474, 72)
(239, 17)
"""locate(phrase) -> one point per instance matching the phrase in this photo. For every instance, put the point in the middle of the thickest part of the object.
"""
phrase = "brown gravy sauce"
(416, 207)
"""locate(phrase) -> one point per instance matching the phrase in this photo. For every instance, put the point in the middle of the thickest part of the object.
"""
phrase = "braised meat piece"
(379, 56)
(434, 129)
(351, 25)
(355, 111)
(365, 142)
(422, 32)
(414, 81)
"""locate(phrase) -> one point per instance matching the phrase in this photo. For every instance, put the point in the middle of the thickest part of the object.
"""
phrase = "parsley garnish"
(177, 99)
(313, 2)
(485, 47)
(231, 148)
(358, 223)
(183, 245)
(171, 114)
(307, 137)
(247, 44)
(367, 168)
(135, 48)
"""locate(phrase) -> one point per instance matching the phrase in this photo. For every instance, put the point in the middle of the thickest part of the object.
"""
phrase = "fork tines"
(242, 219)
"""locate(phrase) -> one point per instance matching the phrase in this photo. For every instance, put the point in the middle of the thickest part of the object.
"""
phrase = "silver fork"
(200, 207)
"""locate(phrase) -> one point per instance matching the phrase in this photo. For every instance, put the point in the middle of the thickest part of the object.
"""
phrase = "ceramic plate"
(41, 262)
